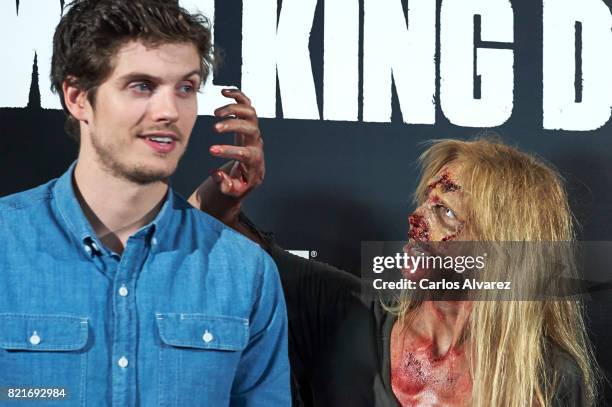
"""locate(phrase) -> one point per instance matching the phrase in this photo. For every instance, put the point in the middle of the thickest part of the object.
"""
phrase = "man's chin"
(145, 175)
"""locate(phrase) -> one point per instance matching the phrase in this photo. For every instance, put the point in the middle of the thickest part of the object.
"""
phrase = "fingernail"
(215, 150)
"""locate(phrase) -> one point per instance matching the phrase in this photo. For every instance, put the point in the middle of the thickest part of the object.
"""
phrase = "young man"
(114, 290)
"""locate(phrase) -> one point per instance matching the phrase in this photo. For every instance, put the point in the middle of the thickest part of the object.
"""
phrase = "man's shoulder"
(21, 213)
(30, 199)
(212, 231)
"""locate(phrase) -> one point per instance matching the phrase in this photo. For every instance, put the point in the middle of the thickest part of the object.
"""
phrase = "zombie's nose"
(418, 228)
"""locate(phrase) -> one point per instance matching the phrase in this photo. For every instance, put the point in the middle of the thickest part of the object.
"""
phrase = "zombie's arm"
(222, 193)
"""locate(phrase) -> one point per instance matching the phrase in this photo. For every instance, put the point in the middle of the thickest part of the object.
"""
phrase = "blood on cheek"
(449, 237)
(453, 236)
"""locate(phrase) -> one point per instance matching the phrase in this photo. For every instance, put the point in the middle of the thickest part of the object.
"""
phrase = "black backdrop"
(331, 185)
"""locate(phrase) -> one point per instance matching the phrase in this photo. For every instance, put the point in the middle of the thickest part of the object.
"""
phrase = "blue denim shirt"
(191, 314)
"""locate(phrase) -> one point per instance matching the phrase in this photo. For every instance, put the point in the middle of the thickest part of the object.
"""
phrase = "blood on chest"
(421, 379)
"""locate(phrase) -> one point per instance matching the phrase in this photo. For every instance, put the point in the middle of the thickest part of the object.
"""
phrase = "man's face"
(144, 112)
(443, 214)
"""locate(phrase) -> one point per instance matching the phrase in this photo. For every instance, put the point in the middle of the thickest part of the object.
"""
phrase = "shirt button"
(87, 249)
(154, 241)
(95, 246)
(123, 362)
(34, 339)
(123, 291)
(207, 337)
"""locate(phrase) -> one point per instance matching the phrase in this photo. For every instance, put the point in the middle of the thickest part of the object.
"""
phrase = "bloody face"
(422, 374)
(442, 216)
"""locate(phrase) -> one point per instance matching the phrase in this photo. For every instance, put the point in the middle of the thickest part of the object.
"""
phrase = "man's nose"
(164, 107)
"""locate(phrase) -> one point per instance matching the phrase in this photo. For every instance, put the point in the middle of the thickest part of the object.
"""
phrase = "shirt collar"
(71, 212)
(154, 231)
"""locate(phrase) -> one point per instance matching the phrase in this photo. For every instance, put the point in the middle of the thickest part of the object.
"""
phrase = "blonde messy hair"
(513, 197)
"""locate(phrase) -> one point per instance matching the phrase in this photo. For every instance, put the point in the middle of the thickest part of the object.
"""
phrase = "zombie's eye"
(445, 212)
(449, 213)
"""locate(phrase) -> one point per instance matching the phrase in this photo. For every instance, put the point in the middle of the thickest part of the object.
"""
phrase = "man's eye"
(187, 88)
(142, 87)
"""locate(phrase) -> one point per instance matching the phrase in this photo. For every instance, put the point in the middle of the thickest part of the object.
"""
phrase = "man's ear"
(76, 101)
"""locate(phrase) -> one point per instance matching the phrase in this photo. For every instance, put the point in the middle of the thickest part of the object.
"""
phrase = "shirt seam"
(20, 205)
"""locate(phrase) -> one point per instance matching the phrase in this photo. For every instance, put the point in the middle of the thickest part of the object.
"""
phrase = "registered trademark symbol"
(313, 253)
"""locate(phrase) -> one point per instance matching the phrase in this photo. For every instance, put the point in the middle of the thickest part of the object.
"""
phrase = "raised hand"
(221, 194)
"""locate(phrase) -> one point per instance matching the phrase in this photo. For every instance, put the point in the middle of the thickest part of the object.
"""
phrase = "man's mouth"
(160, 143)
(163, 140)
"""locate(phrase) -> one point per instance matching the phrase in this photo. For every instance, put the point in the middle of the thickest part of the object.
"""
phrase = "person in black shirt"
(345, 350)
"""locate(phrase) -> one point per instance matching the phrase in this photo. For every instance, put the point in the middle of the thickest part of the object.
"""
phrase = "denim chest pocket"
(199, 354)
(45, 351)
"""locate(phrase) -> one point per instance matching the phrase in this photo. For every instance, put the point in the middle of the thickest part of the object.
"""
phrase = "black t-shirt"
(339, 345)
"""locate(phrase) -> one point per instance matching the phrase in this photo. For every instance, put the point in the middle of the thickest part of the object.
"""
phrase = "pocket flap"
(37, 332)
(203, 331)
